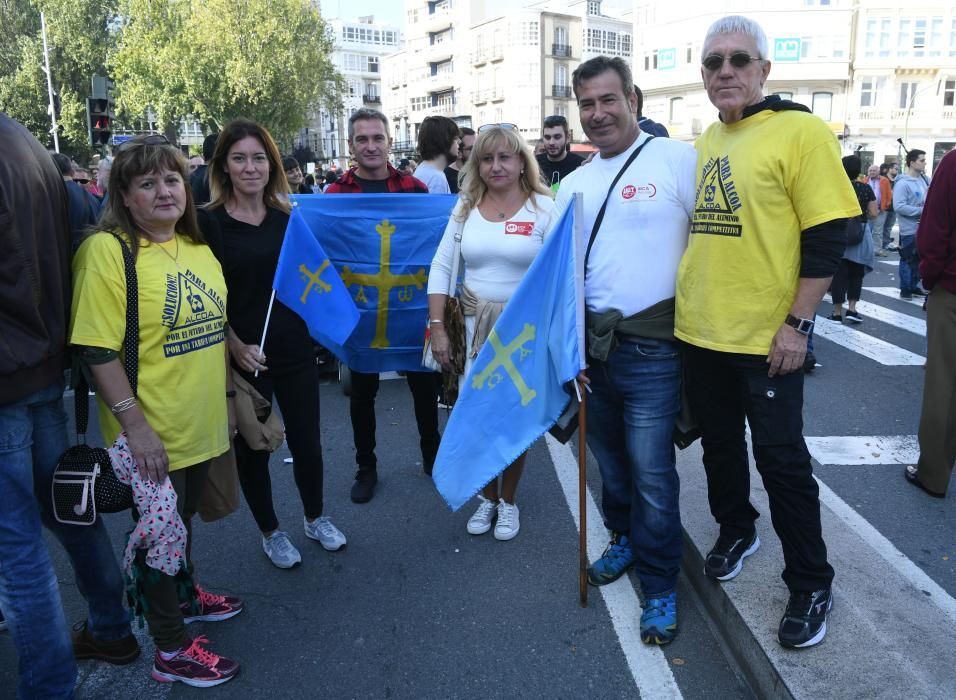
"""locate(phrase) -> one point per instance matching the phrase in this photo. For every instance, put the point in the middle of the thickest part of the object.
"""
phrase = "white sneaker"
(480, 522)
(280, 550)
(508, 522)
(322, 530)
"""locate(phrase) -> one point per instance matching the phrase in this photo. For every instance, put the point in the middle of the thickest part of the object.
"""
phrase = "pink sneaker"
(212, 607)
(194, 666)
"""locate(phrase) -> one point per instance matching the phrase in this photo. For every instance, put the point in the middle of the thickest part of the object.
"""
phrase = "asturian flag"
(381, 246)
(306, 282)
(515, 391)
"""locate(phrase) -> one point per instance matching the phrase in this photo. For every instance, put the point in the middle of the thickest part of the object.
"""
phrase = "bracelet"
(231, 394)
(123, 405)
(435, 320)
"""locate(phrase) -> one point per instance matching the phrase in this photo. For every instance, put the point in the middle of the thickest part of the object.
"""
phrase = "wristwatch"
(800, 325)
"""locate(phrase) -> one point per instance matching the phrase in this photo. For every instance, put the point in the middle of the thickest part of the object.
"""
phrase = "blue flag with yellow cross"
(381, 246)
(306, 282)
(515, 391)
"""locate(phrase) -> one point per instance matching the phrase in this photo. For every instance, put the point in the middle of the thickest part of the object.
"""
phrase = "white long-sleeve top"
(496, 254)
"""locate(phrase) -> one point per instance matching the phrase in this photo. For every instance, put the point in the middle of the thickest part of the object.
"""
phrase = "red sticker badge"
(519, 228)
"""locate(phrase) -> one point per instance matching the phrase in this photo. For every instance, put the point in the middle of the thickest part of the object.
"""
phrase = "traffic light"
(99, 111)
(99, 121)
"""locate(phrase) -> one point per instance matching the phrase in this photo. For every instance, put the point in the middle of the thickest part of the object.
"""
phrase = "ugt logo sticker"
(629, 191)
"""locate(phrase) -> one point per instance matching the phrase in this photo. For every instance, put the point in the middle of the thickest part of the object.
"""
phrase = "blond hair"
(473, 188)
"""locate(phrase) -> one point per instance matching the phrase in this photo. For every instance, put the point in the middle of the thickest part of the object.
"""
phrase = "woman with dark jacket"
(245, 224)
(858, 259)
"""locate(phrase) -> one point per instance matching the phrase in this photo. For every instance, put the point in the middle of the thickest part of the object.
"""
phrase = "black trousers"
(847, 281)
(424, 387)
(724, 390)
(297, 392)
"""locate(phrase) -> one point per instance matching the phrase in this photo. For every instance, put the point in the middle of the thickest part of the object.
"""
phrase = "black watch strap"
(800, 325)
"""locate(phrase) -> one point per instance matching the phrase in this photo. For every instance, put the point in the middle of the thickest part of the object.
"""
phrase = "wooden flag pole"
(583, 495)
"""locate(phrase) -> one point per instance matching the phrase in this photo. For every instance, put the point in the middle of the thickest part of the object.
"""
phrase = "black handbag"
(855, 230)
(84, 482)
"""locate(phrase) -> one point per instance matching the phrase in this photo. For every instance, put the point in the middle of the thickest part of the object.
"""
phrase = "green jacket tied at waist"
(603, 329)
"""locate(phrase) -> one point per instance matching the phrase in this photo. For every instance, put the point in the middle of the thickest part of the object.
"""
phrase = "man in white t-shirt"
(634, 361)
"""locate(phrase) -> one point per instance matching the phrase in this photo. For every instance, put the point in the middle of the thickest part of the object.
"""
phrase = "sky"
(385, 11)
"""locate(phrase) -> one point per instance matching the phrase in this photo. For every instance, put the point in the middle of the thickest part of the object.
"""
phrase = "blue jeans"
(887, 231)
(909, 264)
(631, 413)
(32, 437)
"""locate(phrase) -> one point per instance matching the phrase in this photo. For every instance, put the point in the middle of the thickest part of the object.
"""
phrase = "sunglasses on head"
(502, 125)
(151, 140)
(738, 59)
(81, 181)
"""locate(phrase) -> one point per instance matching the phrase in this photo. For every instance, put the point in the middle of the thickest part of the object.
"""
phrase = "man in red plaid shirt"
(369, 143)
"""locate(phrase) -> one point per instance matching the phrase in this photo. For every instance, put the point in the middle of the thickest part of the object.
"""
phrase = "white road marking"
(866, 345)
(894, 293)
(864, 449)
(899, 561)
(648, 665)
(909, 323)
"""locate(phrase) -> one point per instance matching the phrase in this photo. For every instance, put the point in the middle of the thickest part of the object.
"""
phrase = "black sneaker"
(809, 363)
(726, 559)
(918, 292)
(905, 295)
(364, 487)
(854, 317)
(804, 624)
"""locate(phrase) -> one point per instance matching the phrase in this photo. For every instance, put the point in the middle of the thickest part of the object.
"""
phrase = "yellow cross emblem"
(384, 281)
(502, 360)
(313, 280)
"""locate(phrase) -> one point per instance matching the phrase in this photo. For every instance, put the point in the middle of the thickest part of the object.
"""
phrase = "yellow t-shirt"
(182, 367)
(762, 181)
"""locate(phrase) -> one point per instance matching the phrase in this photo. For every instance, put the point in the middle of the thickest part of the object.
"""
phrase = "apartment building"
(488, 61)
(875, 71)
(360, 46)
(904, 81)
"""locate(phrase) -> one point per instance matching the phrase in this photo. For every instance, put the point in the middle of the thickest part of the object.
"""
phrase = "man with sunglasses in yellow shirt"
(766, 238)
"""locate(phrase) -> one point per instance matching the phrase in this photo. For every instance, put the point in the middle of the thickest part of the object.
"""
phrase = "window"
(919, 37)
(690, 53)
(373, 64)
(561, 75)
(905, 37)
(870, 90)
(885, 37)
(561, 109)
(784, 95)
(677, 110)
(594, 8)
(907, 94)
(952, 39)
(524, 33)
(413, 16)
(936, 37)
(822, 105)
(949, 93)
(420, 103)
(806, 47)
(561, 36)
(870, 40)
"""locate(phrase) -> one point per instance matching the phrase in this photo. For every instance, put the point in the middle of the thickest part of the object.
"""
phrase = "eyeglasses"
(502, 125)
(738, 59)
(151, 140)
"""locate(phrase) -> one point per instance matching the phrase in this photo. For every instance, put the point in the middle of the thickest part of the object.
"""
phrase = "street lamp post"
(906, 120)
(49, 84)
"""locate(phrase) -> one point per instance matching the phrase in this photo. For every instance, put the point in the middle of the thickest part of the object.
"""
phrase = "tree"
(78, 37)
(266, 60)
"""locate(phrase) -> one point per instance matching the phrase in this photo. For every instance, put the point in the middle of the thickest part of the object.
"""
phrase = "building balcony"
(561, 50)
(496, 53)
(371, 99)
(479, 58)
(439, 51)
(496, 94)
(444, 110)
(479, 97)
(561, 91)
(403, 145)
(440, 18)
(441, 82)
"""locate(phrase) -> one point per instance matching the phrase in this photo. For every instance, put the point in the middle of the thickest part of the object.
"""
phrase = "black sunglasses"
(151, 140)
(502, 125)
(738, 59)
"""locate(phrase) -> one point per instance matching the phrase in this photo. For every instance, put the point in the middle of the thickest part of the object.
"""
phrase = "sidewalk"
(890, 635)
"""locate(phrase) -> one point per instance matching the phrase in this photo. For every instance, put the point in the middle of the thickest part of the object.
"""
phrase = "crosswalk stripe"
(647, 663)
(894, 318)
(864, 449)
(866, 345)
(894, 293)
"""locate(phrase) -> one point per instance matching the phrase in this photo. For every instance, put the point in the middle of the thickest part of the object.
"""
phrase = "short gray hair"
(738, 24)
(366, 113)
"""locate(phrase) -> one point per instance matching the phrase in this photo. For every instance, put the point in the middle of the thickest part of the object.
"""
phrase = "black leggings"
(847, 281)
(297, 393)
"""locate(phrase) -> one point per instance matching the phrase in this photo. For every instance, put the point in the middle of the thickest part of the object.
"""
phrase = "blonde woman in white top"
(504, 214)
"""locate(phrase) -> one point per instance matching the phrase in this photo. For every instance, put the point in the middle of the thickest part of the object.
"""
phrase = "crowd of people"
(704, 268)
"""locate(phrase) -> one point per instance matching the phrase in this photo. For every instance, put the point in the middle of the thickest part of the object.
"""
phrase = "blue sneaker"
(659, 619)
(615, 561)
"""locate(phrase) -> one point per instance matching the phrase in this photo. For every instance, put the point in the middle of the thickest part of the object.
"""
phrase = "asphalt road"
(415, 607)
